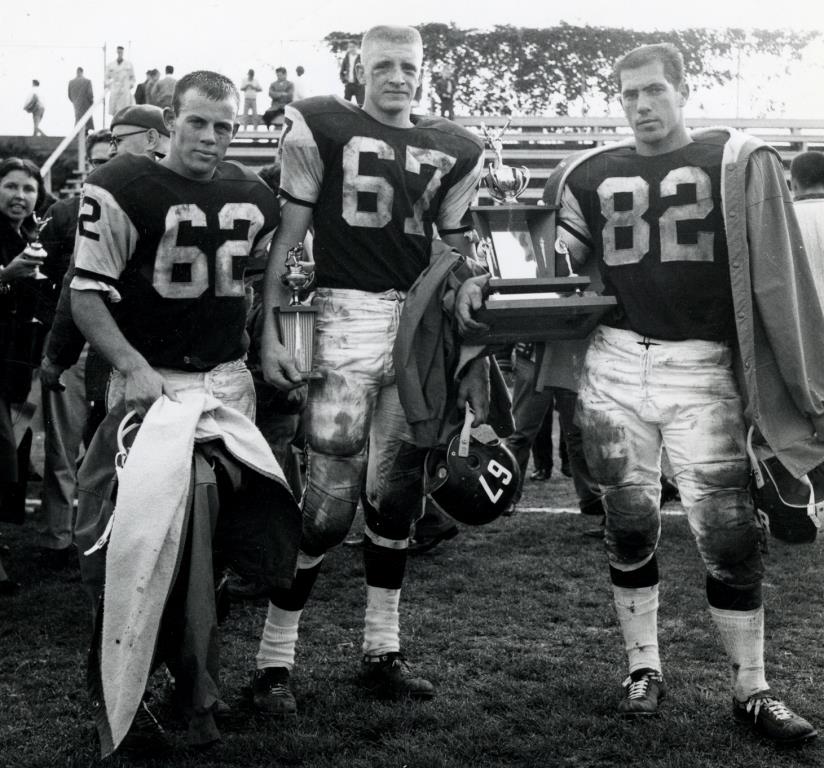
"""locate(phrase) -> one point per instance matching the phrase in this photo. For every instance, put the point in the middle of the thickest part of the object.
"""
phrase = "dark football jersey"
(171, 253)
(656, 226)
(376, 191)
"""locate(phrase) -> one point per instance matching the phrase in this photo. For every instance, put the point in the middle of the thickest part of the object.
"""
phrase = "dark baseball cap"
(143, 116)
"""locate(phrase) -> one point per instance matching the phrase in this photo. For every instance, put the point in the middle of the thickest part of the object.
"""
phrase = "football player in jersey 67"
(693, 234)
(375, 182)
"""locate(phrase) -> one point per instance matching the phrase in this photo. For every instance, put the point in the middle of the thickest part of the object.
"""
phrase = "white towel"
(146, 535)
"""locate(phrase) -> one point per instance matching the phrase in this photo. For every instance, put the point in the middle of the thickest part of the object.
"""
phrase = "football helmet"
(790, 508)
(473, 477)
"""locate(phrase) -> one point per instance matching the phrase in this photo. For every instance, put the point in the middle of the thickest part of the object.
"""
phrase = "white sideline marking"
(679, 510)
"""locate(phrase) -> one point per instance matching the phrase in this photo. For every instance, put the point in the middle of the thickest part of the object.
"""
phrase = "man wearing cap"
(120, 80)
(140, 130)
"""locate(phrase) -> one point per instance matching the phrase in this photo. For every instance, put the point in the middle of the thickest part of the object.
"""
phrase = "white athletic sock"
(742, 634)
(637, 611)
(277, 643)
(381, 632)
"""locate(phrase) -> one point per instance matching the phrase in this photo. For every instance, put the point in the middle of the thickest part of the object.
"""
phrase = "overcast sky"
(47, 39)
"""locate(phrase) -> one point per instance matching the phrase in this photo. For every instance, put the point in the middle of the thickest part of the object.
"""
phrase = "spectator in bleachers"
(35, 107)
(140, 93)
(281, 92)
(250, 88)
(301, 87)
(807, 180)
(445, 88)
(119, 82)
(164, 89)
(81, 95)
(347, 72)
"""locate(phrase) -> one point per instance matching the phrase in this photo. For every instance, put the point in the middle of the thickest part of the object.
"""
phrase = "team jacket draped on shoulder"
(778, 320)
(170, 253)
(376, 191)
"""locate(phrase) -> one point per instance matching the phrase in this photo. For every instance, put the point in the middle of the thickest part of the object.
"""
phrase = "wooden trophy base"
(540, 309)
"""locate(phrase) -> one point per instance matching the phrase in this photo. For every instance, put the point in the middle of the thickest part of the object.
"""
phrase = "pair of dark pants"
(529, 409)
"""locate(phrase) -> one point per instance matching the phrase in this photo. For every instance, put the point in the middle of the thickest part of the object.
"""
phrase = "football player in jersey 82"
(375, 184)
(694, 271)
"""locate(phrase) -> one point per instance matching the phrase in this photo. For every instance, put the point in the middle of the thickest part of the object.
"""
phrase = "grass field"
(513, 623)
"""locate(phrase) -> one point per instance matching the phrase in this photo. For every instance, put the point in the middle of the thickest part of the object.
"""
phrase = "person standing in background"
(807, 180)
(120, 80)
(250, 88)
(161, 94)
(347, 72)
(35, 107)
(301, 89)
(81, 95)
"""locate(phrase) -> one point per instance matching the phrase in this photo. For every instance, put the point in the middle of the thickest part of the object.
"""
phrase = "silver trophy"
(297, 321)
(35, 247)
(504, 182)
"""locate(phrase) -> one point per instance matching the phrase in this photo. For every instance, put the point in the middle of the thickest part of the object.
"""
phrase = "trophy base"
(540, 317)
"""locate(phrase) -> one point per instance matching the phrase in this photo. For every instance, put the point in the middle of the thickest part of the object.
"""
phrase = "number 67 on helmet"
(471, 478)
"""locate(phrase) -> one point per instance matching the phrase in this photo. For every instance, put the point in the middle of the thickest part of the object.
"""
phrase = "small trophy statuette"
(295, 277)
(35, 247)
(504, 182)
(296, 322)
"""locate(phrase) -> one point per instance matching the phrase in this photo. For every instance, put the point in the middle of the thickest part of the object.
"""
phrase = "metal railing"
(80, 125)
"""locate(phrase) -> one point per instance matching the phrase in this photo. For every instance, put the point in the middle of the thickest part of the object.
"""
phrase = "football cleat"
(643, 689)
(388, 676)
(271, 694)
(773, 719)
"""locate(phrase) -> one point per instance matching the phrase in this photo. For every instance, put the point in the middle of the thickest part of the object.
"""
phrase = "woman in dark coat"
(21, 188)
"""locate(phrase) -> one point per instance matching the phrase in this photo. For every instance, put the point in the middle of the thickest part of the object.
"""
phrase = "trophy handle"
(524, 180)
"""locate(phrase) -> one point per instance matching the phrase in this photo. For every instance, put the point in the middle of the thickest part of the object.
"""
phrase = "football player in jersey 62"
(159, 292)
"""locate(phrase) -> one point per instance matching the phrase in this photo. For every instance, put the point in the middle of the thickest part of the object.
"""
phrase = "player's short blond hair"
(390, 34)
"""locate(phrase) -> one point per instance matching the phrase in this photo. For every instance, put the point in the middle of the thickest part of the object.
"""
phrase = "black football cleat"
(388, 676)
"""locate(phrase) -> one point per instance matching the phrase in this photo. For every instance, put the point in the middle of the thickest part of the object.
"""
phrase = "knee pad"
(633, 522)
(728, 538)
(330, 500)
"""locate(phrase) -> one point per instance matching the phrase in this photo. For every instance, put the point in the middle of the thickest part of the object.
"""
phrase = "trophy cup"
(534, 291)
(504, 182)
(35, 247)
(296, 322)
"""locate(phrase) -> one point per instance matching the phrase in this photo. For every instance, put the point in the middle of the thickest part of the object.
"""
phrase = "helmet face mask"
(473, 485)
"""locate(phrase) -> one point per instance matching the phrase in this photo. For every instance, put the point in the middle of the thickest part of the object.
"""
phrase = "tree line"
(567, 69)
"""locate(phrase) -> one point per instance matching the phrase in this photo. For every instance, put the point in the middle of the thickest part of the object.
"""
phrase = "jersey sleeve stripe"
(96, 276)
(458, 199)
(455, 231)
(286, 196)
(576, 234)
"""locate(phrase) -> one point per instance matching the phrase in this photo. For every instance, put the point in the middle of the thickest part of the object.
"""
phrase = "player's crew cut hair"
(387, 34)
(213, 85)
(669, 56)
(807, 169)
